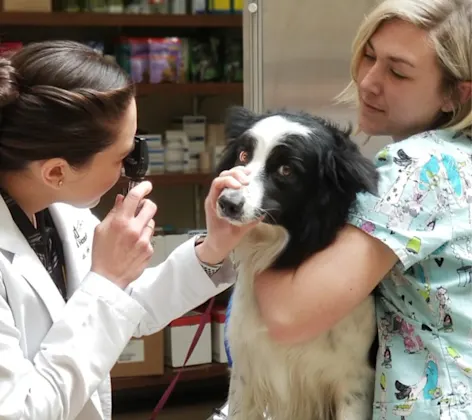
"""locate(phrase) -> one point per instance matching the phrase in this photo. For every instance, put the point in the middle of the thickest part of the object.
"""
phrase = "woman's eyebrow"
(395, 59)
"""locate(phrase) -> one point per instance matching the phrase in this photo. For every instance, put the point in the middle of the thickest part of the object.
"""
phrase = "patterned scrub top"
(423, 212)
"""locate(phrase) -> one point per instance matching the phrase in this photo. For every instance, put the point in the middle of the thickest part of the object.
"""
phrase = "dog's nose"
(231, 205)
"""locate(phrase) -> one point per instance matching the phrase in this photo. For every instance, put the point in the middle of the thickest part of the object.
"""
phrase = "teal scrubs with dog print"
(423, 212)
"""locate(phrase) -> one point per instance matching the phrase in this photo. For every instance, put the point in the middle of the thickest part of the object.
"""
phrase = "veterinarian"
(72, 290)
(411, 79)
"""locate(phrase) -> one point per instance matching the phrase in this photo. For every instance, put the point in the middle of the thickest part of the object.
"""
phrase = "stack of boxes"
(191, 145)
(149, 354)
(179, 334)
(156, 153)
(176, 151)
(194, 128)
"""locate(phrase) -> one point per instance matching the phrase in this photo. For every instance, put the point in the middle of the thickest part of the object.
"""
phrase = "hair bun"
(8, 83)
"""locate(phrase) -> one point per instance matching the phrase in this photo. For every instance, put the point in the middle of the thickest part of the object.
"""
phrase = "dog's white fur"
(291, 382)
(294, 382)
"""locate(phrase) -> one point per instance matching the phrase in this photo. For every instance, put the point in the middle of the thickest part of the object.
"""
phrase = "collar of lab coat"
(68, 221)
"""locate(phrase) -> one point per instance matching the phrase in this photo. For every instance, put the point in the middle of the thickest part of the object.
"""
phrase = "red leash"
(206, 317)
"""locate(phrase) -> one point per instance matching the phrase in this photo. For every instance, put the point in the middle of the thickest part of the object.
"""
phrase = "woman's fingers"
(133, 199)
(239, 172)
(146, 213)
(233, 178)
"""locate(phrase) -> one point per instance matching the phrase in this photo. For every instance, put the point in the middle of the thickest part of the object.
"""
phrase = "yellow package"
(238, 5)
(221, 6)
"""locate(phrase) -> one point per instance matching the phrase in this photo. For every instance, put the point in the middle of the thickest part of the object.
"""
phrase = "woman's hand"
(122, 243)
(222, 236)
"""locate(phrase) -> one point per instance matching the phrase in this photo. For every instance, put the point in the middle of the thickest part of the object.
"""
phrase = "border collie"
(305, 175)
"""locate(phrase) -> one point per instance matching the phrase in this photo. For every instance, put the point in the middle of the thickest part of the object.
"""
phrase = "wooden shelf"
(143, 89)
(179, 178)
(88, 19)
(191, 373)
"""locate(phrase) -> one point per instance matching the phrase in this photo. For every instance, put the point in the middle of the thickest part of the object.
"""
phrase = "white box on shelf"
(194, 164)
(178, 338)
(196, 145)
(194, 125)
(156, 156)
(156, 153)
(155, 168)
(178, 7)
(176, 154)
(152, 139)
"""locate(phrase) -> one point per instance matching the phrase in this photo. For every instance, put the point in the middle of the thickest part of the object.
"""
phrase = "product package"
(205, 60)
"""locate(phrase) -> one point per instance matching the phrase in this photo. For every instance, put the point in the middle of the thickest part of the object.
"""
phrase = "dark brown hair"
(59, 99)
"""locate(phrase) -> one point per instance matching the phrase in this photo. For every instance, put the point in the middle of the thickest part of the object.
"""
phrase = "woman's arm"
(299, 305)
(73, 358)
(176, 286)
(180, 283)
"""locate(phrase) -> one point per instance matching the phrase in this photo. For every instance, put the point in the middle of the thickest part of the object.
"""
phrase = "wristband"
(211, 270)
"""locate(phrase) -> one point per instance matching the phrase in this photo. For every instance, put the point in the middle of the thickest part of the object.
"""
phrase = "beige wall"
(306, 55)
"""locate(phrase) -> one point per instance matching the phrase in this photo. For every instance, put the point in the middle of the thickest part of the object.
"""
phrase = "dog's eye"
(243, 157)
(284, 170)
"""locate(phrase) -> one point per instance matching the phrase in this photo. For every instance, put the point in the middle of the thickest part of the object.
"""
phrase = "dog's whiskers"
(265, 212)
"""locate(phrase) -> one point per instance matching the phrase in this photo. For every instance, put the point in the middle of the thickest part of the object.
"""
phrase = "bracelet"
(211, 270)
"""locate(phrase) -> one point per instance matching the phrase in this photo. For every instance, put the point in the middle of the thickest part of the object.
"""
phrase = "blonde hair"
(449, 23)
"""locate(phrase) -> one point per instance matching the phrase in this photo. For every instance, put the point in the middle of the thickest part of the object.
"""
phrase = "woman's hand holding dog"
(222, 236)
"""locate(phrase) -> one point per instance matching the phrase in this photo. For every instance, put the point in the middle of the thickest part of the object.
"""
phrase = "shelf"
(191, 373)
(179, 178)
(189, 88)
(88, 19)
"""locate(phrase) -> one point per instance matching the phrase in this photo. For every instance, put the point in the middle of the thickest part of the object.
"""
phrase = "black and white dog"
(305, 175)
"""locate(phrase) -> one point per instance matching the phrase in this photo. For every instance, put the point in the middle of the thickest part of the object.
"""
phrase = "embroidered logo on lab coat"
(79, 234)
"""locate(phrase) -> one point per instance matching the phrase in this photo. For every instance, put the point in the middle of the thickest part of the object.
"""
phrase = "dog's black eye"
(284, 170)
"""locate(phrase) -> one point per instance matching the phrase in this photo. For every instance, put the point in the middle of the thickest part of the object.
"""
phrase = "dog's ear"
(238, 120)
(348, 168)
(357, 173)
(228, 157)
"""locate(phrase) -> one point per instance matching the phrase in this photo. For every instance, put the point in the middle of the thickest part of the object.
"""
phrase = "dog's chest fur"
(293, 381)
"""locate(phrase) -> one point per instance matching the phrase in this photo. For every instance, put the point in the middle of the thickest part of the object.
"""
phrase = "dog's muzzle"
(231, 204)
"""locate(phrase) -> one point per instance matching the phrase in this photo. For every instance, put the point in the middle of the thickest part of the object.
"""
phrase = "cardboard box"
(26, 5)
(141, 357)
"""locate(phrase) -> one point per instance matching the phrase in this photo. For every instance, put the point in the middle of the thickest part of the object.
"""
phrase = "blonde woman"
(411, 80)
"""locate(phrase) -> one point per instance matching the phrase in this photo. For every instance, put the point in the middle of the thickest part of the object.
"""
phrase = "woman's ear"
(465, 91)
(53, 171)
(463, 94)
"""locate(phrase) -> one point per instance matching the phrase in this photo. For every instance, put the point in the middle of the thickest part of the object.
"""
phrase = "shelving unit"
(200, 89)
(88, 19)
(179, 178)
(191, 373)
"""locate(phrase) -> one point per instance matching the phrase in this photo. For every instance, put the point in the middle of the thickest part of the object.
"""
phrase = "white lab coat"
(55, 358)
